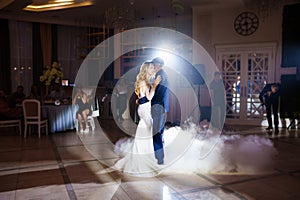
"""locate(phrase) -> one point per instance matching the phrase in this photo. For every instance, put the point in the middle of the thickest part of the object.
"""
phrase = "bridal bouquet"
(52, 75)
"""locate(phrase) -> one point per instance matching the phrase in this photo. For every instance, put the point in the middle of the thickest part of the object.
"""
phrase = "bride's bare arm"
(142, 88)
(150, 94)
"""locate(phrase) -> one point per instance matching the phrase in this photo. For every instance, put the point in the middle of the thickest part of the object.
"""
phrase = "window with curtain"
(21, 54)
(67, 37)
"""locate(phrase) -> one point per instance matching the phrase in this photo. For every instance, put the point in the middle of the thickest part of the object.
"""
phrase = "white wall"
(216, 27)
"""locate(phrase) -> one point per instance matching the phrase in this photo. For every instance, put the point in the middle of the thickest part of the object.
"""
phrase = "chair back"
(95, 108)
(32, 109)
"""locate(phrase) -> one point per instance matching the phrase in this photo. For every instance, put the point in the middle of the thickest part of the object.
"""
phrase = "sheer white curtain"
(68, 44)
(21, 54)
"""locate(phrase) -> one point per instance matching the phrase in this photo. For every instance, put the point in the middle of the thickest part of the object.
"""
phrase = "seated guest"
(57, 93)
(17, 97)
(84, 109)
(35, 92)
(7, 113)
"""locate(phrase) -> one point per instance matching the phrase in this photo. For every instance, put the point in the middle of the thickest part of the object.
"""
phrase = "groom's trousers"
(158, 115)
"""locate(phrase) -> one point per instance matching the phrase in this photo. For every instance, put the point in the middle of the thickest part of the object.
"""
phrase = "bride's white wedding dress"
(192, 149)
(138, 154)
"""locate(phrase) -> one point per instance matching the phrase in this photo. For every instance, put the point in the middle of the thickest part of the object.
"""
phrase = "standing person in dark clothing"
(218, 101)
(159, 108)
(269, 97)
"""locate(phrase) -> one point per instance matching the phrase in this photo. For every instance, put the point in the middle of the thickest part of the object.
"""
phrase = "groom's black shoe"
(269, 129)
(160, 162)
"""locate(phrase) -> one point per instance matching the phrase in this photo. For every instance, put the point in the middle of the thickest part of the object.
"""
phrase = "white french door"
(245, 70)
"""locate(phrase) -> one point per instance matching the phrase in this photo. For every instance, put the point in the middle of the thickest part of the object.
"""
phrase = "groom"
(159, 107)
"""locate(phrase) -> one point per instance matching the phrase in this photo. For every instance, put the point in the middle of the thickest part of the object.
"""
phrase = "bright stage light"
(165, 55)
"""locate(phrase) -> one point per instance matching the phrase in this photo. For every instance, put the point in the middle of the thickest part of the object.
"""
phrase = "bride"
(139, 154)
(190, 148)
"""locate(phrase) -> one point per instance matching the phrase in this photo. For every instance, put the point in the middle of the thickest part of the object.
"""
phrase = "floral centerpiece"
(51, 75)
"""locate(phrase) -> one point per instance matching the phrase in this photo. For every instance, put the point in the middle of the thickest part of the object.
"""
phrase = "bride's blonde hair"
(142, 76)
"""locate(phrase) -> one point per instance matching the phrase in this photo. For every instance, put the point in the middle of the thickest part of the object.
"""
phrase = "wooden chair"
(32, 116)
(12, 123)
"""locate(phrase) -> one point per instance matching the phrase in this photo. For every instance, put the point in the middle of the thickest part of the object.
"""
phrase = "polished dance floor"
(67, 165)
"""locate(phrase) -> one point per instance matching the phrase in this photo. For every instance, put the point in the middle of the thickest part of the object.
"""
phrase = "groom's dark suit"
(159, 106)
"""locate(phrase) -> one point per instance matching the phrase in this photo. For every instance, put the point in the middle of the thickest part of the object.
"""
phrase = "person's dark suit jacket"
(268, 100)
(161, 95)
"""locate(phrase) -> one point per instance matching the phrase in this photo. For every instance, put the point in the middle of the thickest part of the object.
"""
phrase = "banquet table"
(60, 117)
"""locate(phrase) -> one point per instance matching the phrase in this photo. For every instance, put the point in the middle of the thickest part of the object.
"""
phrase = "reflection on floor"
(66, 165)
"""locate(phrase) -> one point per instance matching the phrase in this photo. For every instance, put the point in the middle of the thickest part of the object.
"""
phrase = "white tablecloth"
(60, 118)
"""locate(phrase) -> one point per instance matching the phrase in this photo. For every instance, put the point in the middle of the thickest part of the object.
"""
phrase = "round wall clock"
(246, 23)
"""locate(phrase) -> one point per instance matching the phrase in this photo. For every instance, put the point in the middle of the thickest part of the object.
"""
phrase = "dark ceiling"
(144, 10)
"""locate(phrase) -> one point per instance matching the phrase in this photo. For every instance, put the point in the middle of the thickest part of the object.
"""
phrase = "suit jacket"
(269, 99)
(161, 95)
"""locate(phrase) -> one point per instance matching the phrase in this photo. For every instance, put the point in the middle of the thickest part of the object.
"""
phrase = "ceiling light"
(39, 6)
